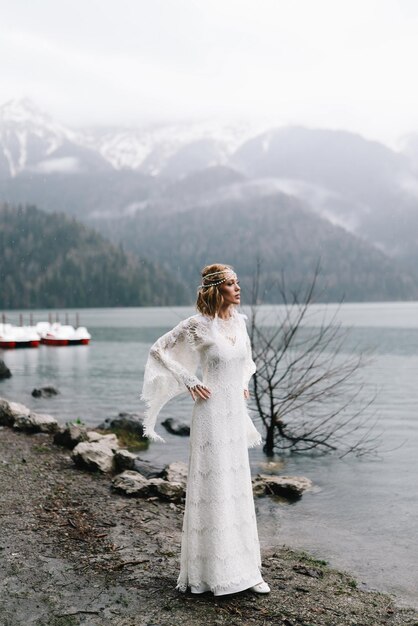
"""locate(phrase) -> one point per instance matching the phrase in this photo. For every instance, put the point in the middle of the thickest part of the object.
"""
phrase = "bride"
(220, 550)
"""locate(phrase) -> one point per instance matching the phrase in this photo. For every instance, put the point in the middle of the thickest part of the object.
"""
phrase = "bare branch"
(307, 390)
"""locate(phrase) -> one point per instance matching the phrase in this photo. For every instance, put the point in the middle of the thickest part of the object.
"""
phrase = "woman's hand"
(246, 394)
(200, 391)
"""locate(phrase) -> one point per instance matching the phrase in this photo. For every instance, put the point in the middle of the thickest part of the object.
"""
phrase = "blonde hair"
(209, 298)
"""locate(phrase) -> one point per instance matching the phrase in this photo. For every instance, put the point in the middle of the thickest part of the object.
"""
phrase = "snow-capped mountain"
(108, 174)
(158, 149)
(28, 136)
(30, 140)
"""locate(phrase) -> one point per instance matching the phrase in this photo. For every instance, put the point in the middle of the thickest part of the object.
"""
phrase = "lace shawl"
(172, 364)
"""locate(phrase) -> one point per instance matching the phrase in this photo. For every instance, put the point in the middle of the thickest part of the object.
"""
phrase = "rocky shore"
(102, 451)
(75, 550)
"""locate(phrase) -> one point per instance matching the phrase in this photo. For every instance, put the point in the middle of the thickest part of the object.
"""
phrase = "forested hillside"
(181, 196)
(51, 260)
(283, 233)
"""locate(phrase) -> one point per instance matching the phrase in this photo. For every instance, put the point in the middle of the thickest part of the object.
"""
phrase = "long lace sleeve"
(169, 370)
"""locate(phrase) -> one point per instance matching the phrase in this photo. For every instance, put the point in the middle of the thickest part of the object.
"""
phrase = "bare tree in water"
(307, 390)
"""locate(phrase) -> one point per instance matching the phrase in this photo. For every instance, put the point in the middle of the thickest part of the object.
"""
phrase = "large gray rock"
(176, 472)
(147, 469)
(70, 435)
(4, 370)
(36, 423)
(287, 486)
(109, 440)
(165, 490)
(19, 416)
(134, 484)
(125, 460)
(9, 411)
(95, 455)
(175, 427)
(128, 422)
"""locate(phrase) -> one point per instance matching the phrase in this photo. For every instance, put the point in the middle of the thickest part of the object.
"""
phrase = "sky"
(348, 64)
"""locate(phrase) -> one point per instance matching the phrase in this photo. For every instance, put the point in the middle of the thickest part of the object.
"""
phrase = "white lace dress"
(220, 550)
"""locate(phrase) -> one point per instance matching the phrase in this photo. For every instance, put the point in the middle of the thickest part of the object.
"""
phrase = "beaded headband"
(218, 282)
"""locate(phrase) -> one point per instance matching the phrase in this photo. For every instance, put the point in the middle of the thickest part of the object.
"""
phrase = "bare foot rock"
(176, 472)
(288, 486)
(70, 435)
(125, 460)
(94, 456)
(10, 411)
(110, 439)
(21, 418)
(166, 490)
(134, 484)
(36, 423)
(148, 469)
(131, 484)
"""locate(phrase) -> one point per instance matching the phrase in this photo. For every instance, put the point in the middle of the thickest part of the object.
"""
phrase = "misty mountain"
(198, 184)
(340, 161)
(82, 194)
(27, 137)
(165, 149)
(410, 150)
(195, 156)
(279, 230)
(202, 188)
(104, 175)
(49, 260)
(367, 188)
(31, 141)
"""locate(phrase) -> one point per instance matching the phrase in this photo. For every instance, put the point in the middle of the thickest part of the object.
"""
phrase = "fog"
(293, 122)
(326, 64)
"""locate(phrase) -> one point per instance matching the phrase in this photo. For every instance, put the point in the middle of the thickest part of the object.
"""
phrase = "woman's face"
(230, 289)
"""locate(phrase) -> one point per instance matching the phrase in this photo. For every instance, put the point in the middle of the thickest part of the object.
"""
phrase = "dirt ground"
(73, 553)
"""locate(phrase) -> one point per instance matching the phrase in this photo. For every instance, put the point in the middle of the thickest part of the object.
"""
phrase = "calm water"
(362, 514)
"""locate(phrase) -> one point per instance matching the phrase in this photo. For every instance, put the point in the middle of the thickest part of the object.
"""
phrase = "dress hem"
(242, 586)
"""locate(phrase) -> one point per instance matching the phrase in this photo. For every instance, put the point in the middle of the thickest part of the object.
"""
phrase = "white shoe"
(261, 588)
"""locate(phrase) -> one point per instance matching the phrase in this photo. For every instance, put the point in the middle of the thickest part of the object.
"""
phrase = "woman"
(220, 550)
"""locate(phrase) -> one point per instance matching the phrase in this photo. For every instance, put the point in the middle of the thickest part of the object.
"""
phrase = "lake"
(361, 515)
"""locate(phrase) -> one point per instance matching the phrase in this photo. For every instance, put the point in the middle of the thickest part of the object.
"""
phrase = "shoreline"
(73, 552)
